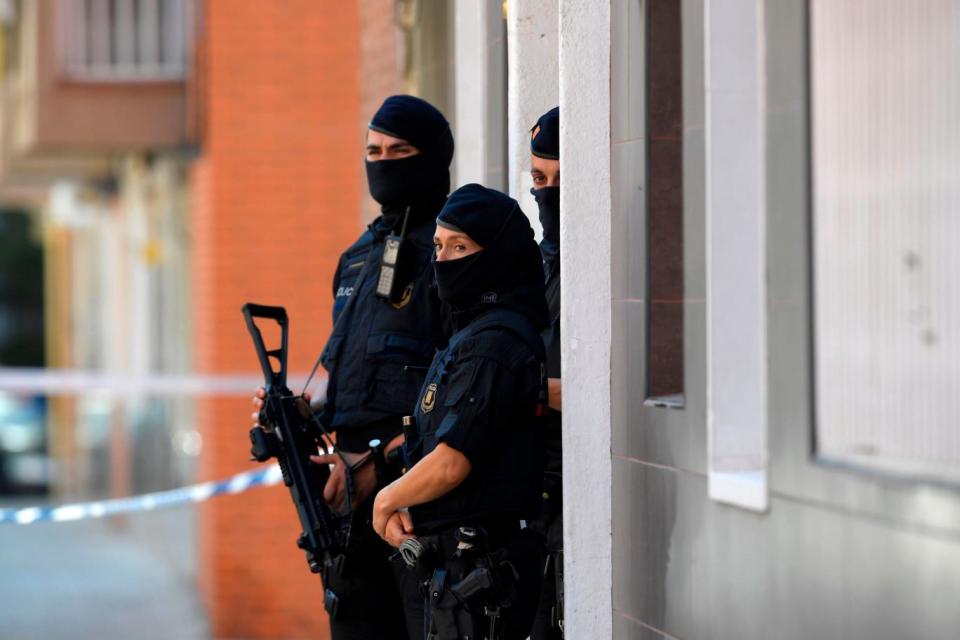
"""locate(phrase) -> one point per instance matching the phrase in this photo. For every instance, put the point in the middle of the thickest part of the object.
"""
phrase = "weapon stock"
(291, 436)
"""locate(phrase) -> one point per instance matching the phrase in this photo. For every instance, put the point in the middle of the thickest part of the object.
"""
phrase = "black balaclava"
(421, 181)
(506, 273)
(545, 143)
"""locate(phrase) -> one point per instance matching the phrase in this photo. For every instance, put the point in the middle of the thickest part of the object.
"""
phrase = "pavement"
(127, 578)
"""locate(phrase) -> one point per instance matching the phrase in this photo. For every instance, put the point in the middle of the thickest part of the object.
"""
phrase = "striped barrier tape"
(146, 502)
(59, 382)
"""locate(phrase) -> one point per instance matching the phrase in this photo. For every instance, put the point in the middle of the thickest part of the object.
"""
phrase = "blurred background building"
(161, 163)
(760, 303)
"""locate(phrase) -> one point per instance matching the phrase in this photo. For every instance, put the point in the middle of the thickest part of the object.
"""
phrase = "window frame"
(795, 470)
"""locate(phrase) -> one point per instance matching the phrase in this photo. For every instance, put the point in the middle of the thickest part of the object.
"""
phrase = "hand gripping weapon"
(291, 434)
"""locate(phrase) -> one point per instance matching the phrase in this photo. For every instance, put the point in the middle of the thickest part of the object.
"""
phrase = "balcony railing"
(125, 40)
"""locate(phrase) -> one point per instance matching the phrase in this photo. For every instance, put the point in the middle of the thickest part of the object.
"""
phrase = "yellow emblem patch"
(429, 398)
(405, 298)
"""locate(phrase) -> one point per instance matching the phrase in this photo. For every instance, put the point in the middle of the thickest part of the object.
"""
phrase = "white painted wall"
(480, 94)
(736, 253)
(533, 81)
(585, 132)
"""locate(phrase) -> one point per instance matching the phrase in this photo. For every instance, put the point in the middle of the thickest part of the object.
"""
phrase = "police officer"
(475, 444)
(545, 171)
(387, 326)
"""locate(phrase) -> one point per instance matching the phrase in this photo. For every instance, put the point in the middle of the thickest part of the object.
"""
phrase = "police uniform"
(380, 348)
(378, 354)
(545, 143)
(484, 396)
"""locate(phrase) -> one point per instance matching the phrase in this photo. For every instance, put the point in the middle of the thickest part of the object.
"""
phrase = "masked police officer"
(545, 171)
(475, 445)
(387, 326)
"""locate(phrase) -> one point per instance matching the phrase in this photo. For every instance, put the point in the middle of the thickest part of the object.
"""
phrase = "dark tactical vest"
(378, 354)
(492, 370)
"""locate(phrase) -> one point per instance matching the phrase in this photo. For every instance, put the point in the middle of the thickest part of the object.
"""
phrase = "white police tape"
(58, 382)
(147, 502)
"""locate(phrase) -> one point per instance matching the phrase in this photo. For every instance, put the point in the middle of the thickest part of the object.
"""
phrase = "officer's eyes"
(539, 179)
(459, 248)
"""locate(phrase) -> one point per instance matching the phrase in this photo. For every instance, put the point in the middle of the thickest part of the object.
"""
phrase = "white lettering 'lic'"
(344, 292)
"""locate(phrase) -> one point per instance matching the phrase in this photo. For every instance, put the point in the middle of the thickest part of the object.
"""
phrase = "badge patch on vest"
(405, 298)
(429, 398)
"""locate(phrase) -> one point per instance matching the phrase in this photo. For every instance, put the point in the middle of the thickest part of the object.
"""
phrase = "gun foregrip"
(262, 446)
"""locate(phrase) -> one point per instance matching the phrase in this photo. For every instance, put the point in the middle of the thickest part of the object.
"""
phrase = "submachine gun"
(291, 434)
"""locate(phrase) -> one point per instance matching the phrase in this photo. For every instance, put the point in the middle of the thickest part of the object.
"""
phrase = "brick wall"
(379, 70)
(276, 195)
(379, 45)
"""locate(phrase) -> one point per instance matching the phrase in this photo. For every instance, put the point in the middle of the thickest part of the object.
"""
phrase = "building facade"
(760, 303)
(759, 309)
(803, 483)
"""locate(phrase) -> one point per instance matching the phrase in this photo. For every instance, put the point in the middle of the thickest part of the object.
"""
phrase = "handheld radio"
(391, 282)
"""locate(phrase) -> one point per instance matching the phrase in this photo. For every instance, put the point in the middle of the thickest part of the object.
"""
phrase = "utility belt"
(469, 577)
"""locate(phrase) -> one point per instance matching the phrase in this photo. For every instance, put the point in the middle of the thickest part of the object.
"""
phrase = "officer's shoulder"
(496, 343)
(362, 244)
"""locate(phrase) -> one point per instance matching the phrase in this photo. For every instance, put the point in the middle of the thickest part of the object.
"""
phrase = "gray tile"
(788, 201)
(693, 96)
(619, 73)
(790, 402)
(698, 569)
(666, 436)
(637, 95)
(786, 63)
(629, 220)
(695, 383)
(626, 628)
(694, 214)
(644, 507)
(628, 371)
